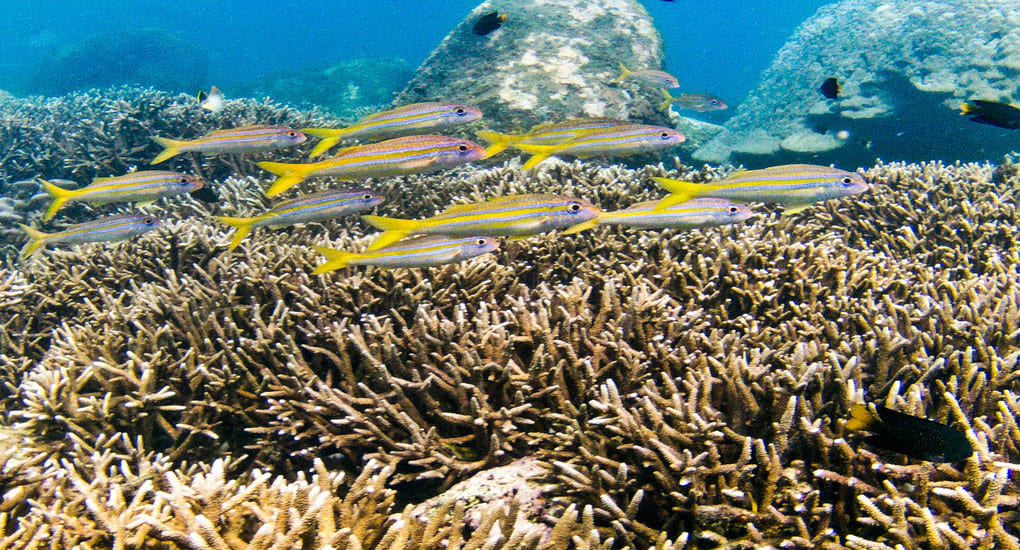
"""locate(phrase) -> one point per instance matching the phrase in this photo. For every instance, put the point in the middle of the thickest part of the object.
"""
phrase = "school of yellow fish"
(462, 231)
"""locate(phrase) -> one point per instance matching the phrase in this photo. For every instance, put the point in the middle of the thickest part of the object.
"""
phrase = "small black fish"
(205, 194)
(913, 436)
(993, 113)
(488, 23)
(830, 88)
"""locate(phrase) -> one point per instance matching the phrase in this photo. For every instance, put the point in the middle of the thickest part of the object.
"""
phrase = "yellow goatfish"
(243, 139)
(142, 187)
(424, 251)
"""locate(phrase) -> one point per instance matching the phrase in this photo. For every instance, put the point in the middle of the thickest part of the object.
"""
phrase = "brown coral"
(680, 389)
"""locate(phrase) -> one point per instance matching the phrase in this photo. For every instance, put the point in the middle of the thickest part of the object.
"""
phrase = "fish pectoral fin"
(791, 209)
(577, 228)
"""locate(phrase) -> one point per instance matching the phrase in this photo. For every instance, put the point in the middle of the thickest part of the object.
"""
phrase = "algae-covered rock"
(348, 89)
(905, 67)
(143, 57)
(551, 60)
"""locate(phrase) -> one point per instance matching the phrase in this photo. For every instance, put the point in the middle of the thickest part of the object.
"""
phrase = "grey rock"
(905, 67)
(552, 60)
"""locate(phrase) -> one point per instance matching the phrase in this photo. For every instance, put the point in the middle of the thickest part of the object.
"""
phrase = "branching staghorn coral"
(685, 389)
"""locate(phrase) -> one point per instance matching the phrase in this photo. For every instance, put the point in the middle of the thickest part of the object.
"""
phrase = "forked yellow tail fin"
(499, 142)
(36, 240)
(171, 148)
(680, 191)
(393, 229)
(60, 198)
(335, 259)
(290, 175)
(330, 137)
(242, 225)
(624, 72)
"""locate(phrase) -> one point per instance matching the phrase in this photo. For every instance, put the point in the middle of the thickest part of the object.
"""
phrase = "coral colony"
(626, 387)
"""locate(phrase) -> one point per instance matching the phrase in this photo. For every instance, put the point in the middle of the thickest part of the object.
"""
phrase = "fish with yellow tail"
(554, 133)
(243, 139)
(396, 122)
(910, 435)
(423, 251)
(143, 187)
(654, 77)
(796, 186)
(518, 216)
(702, 212)
(325, 205)
(106, 229)
(393, 157)
(692, 102)
(626, 139)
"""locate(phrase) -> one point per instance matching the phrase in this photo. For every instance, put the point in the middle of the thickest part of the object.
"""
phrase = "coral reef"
(616, 389)
(141, 57)
(902, 84)
(675, 389)
(552, 60)
(350, 89)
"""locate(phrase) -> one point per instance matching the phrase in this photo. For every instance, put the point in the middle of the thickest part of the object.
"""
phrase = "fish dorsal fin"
(230, 130)
(458, 208)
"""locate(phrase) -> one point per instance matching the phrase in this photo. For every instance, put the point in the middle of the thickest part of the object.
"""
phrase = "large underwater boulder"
(905, 67)
(142, 57)
(552, 60)
(351, 88)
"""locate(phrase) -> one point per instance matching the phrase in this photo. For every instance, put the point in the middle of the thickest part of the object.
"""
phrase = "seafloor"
(639, 389)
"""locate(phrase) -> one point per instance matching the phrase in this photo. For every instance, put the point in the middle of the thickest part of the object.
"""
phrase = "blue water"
(719, 47)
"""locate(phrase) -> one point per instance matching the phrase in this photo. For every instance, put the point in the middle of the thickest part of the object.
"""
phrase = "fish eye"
(462, 148)
(480, 242)
(734, 210)
(847, 180)
(460, 111)
(574, 207)
(292, 133)
(148, 221)
(367, 196)
(185, 181)
(664, 135)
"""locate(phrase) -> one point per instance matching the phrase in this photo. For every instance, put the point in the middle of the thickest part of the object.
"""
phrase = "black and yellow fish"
(488, 23)
(913, 436)
(992, 113)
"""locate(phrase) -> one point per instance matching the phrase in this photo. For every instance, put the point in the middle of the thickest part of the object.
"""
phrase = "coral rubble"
(658, 389)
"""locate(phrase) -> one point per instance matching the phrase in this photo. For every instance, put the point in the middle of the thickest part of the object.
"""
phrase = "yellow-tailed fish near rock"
(393, 157)
(243, 139)
(694, 213)
(554, 133)
(395, 122)
(611, 141)
(514, 216)
(423, 251)
(693, 102)
(145, 186)
(106, 229)
(796, 186)
(316, 207)
(654, 77)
